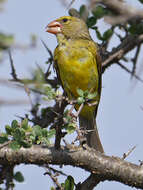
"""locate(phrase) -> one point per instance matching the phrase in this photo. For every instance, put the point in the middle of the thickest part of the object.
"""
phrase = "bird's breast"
(77, 67)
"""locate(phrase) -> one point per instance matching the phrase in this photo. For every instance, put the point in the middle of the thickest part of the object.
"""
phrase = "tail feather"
(92, 135)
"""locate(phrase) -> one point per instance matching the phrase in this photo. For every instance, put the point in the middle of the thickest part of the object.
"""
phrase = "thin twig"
(48, 50)
(56, 171)
(135, 60)
(54, 178)
(118, 53)
(13, 72)
(125, 155)
(79, 110)
(126, 69)
(70, 4)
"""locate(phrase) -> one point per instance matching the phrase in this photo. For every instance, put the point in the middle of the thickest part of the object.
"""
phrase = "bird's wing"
(99, 67)
(56, 68)
(93, 48)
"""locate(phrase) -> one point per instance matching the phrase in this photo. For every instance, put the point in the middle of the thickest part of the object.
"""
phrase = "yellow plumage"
(78, 65)
(77, 68)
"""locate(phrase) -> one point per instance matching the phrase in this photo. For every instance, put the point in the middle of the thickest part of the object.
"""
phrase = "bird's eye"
(65, 19)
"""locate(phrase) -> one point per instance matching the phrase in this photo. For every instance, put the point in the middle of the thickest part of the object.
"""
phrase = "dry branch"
(127, 45)
(105, 167)
(124, 11)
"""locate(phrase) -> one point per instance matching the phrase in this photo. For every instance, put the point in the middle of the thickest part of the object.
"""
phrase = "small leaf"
(71, 128)
(99, 36)
(18, 134)
(91, 21)
(62, 184)
(107, 34)
(50, 92)
(3, 139)
(84, 12)
(24, 124)
(141, 1)
(25, 144)
(80, 92)
(82, 9)
(69, 183)
(86, 92)
(14, 124)
(99, 12)
(44, 132)
(91, 95)
(32, 138)
(37, 130)
(19, 177)
(45, 141)
(80, 100)
(136, 28)
(51, 133)
(15, 145)
(8, 129)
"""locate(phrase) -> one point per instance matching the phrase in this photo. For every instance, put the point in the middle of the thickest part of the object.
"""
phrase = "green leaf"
(18, 134)
(24, 124)
(51, 133)
(69, 183)
(3, 139)
(62, 184)
(19, 177)
(92, 95)
(37, 130)
(91, 21)
(141, 1)
(44, 132)
(107, 34)
(71, 128)
(84, 12)
(136, 28)
(82, 9)
(8, 129)
(14, 145)
(14, 124)
(32, 138)
(86, 92)
(6, 41)
(25, 144)
(99, 12)
(50, 92)
(99, 36)
(80, 100)
(44, 140)
(80, 92)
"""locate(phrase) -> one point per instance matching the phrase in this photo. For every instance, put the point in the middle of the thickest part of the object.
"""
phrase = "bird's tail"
(92, 135)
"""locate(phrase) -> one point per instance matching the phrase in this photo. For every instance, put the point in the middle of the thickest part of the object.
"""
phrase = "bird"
(78, 65)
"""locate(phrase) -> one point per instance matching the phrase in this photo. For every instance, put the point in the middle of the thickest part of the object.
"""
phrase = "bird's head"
(70, 27)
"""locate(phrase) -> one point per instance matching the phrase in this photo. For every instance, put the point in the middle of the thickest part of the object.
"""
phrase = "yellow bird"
(78, 66)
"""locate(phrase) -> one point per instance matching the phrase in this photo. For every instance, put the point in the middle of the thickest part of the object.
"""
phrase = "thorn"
(125, 155)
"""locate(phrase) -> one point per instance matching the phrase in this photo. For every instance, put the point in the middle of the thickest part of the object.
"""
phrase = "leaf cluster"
(85, 96)
(19, 135)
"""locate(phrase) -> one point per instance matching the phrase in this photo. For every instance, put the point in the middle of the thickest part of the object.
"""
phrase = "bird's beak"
(54, 27)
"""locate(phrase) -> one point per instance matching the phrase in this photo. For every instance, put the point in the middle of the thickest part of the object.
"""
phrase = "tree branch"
(124, 11)
(107, 168)
(128, 44)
